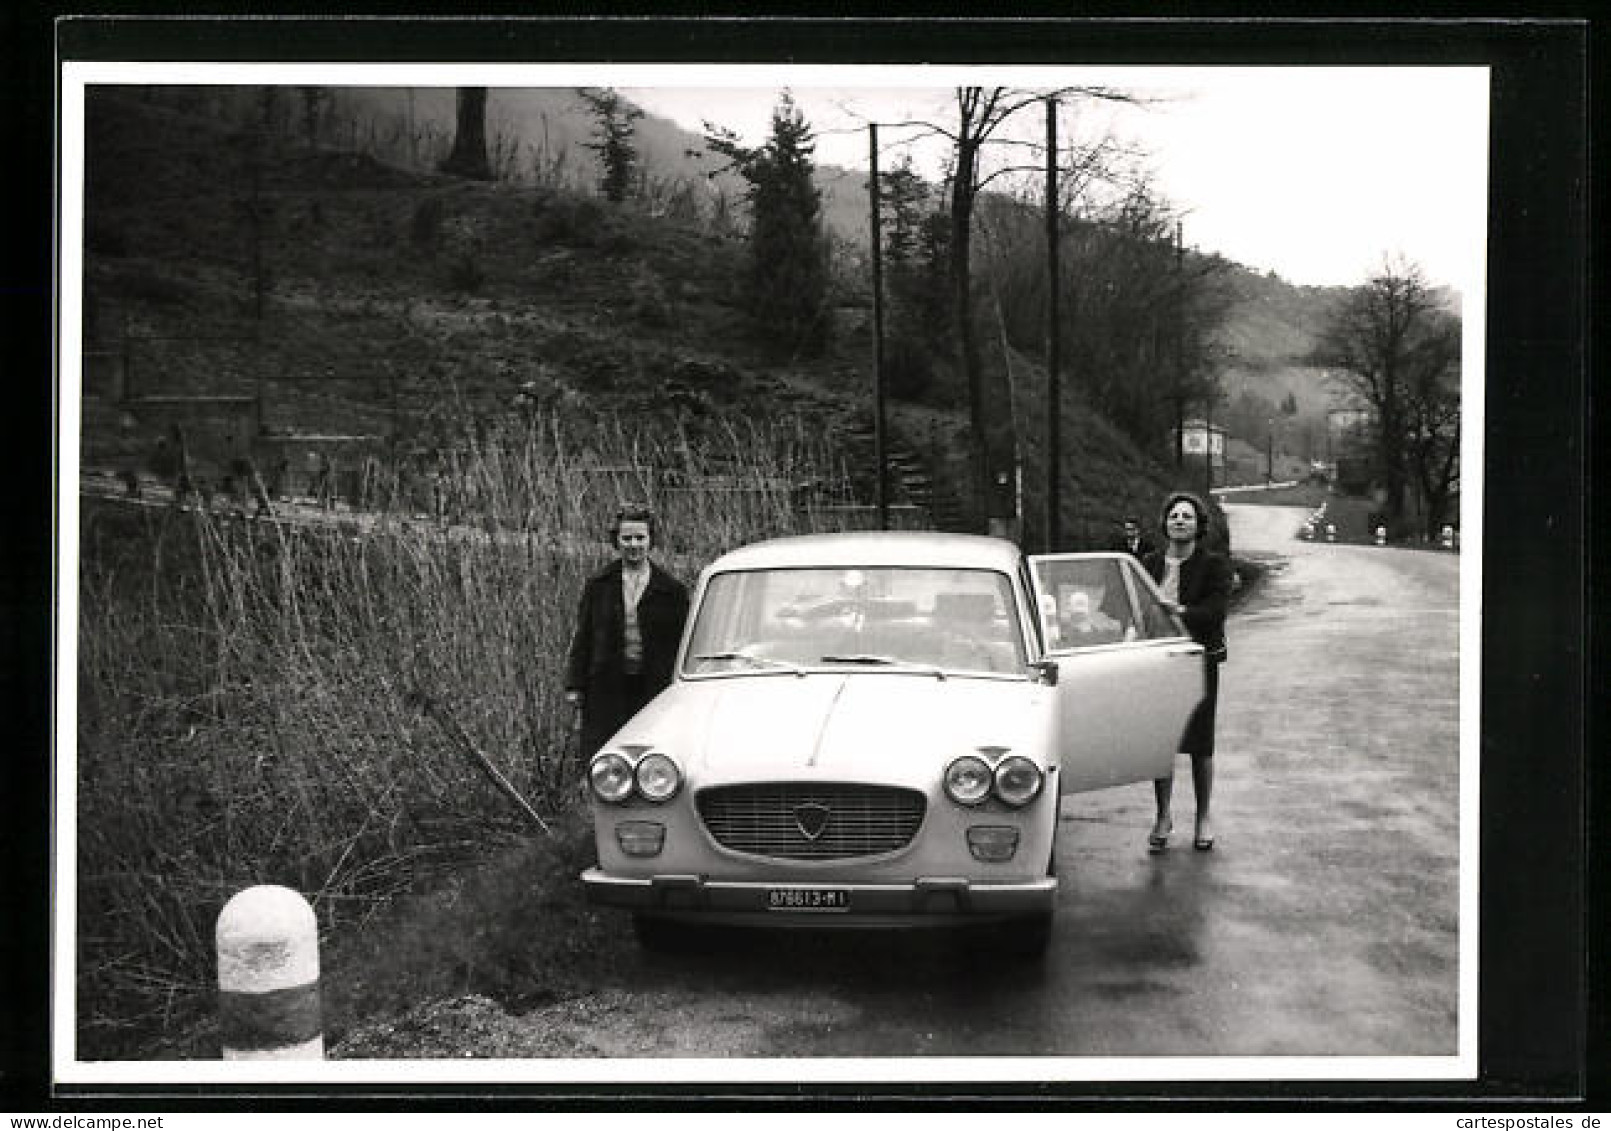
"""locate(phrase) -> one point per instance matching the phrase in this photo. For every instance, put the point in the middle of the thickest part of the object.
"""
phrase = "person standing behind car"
(1132, 541)
(1196, 584)
(627, 630)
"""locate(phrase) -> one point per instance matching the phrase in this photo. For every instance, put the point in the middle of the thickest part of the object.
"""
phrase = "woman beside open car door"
(1197, 583)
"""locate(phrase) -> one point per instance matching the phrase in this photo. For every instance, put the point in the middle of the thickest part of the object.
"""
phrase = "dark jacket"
(595, 656)
(1205, 591)
(1121, 545)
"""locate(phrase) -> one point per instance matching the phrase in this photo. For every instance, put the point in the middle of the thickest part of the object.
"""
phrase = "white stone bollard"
(268, 976)
(1331, 532)
(1381, 535)
(1448, 537)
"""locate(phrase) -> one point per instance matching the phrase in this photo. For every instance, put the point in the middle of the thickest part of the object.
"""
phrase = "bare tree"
(981, 115)
(1139, 317)
(469, 155)
(1432, 411)
(1391, 348)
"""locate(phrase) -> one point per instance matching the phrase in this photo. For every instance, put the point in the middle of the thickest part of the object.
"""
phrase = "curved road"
(1325, 921)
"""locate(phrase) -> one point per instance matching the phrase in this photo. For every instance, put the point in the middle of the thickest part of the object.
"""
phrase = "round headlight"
(658, 778)
(610, 776)
(1018, 780)
(967, 780)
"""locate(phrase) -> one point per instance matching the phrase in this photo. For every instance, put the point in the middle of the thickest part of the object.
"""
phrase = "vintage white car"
(875, 729)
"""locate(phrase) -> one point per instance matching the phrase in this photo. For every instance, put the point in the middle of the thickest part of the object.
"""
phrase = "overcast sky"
(1312, 172)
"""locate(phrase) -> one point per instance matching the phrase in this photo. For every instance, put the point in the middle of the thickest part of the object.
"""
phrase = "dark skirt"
(1198, 740)
(607, 707)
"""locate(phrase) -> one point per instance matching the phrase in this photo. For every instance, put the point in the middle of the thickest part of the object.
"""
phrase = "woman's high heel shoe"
(1158, 841)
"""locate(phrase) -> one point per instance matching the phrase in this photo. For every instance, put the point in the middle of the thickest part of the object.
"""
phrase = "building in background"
(1202, 441)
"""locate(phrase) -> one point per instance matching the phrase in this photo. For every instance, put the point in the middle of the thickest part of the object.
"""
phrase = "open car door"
(1128, 673)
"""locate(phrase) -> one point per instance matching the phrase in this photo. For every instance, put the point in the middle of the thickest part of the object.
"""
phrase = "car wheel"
(661, 935)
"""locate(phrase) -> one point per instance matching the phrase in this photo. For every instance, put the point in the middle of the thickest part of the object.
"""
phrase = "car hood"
(833, 726)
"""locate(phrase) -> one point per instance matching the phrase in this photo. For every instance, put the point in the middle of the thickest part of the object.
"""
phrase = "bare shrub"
(682, 198)
(249, 692)
(550, 164)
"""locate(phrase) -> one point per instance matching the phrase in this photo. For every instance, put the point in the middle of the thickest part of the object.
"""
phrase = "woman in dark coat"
(1196, 584)
(627, 630)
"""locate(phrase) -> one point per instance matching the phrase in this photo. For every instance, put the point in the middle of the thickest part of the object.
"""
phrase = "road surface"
(1325, 921)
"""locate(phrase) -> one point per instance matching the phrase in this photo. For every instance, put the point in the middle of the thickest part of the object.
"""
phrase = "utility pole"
(1208, 445)
(881, 496)
(1269, 460)
(1179, 335)
(1054, 399)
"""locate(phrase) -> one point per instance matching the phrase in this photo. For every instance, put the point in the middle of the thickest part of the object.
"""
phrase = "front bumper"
(927, 899)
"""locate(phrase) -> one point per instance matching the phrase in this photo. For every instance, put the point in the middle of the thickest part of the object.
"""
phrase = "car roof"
(874, 548)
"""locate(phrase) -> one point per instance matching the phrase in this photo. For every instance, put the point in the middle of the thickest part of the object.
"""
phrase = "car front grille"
(774, 819)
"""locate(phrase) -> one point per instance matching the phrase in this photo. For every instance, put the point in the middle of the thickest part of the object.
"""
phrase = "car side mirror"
(1045, 671)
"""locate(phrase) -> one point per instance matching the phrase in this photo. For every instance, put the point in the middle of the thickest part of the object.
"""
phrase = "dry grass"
(247, 691)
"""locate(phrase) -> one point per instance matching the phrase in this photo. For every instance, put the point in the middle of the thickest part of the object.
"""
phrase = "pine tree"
(904, 197)
(787, 292)
(613, 132)
(916, 265)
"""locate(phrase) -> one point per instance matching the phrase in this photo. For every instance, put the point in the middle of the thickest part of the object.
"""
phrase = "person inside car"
(1084, 623)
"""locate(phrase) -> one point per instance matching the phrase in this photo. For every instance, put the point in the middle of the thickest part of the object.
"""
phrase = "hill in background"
(356, 291)
(1270, 333)
(1268, 338)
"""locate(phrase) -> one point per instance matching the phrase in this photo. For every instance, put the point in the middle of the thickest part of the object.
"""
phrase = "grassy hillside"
(541, 134)
(353, 178)
(456, 293)
(358, 297)
(1272, 329)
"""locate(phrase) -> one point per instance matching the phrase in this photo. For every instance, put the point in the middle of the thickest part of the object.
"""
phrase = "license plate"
(808, 899)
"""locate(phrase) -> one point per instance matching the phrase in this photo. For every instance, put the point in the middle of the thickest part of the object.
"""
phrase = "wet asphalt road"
(1323, 923)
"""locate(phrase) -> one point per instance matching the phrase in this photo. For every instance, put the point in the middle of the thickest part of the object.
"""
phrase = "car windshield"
(867, 619)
